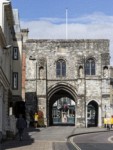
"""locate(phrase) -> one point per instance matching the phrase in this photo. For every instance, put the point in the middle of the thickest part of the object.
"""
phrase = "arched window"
(105, 71)
(60, 68)
(41, 72)
(80, 71)
(90, 67)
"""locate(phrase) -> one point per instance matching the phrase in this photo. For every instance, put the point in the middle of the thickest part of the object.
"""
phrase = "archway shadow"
(16, 143)
(93, 108)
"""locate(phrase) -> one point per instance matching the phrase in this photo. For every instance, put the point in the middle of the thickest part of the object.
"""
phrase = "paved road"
(50, 138)
(95, 141)
(63, 146)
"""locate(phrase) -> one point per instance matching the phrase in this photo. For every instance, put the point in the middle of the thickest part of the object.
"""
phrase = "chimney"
(24, 33)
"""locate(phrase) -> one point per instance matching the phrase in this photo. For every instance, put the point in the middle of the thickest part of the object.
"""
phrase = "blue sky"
(87, 19)
(35, 9)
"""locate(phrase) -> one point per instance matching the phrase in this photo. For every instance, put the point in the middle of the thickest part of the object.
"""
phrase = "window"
(15, 80)
(90, 67)
(60, 68)
(15, 53)
(80, 71)
(41, 72)
(105, 71)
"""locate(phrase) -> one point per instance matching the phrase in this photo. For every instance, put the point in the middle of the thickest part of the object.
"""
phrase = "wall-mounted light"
(8, 46)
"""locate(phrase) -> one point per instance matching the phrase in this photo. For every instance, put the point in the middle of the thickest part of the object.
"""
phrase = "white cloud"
(94, 26)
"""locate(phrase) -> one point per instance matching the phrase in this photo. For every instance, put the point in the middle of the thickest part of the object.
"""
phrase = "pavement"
(47, 138)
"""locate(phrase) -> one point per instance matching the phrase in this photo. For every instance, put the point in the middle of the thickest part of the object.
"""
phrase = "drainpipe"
(36, 88)
(85, 107)
(47, 111)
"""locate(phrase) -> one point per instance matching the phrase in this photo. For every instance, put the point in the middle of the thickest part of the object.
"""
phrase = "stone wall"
(41, 57)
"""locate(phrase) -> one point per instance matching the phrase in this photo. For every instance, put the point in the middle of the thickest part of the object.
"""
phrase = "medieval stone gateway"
(68, 80)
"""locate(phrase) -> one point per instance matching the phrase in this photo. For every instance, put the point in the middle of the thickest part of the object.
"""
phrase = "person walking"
(28, 120)
(36, 120)
(21, 125)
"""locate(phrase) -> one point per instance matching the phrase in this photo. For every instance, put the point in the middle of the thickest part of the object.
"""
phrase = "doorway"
(62, 109)
(92, 114)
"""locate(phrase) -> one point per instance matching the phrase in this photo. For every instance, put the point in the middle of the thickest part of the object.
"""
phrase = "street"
(50, 138)
(95, 141)
(56, 138)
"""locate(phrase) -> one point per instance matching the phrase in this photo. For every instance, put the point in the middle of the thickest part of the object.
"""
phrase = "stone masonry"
(41, 79)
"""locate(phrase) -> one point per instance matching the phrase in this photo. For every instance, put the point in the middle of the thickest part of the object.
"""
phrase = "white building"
(10, 66)
(18, 104)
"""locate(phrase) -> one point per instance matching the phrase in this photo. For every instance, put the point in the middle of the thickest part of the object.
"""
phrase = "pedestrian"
(36, 120)
(108, 127)
(21, 125)
(28, 120)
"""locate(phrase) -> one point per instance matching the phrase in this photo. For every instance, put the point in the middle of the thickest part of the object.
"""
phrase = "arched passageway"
(92, 114)
(62, 107)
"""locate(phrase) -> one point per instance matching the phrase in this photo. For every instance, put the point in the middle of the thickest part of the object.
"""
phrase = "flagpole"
(66, 23)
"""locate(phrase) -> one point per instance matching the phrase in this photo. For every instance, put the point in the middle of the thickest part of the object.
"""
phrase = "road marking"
(74, 144)
(110, 139)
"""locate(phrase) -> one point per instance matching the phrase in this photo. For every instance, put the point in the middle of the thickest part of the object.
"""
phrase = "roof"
(2, 38)
(9, 13)
(67, 41)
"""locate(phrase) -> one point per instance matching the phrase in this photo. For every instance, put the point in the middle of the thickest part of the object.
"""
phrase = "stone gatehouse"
(77, 70)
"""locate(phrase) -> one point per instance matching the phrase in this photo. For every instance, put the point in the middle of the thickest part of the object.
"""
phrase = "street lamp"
(7, 46)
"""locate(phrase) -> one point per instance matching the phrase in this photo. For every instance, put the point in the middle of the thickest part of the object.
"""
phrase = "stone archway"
(92, 114)
(57, 93)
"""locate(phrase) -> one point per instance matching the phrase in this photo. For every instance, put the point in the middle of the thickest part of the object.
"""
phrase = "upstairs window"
(60, 68)
(90, 67)
(15, 81)
(105, 71)
(15, 53)
(41, 72)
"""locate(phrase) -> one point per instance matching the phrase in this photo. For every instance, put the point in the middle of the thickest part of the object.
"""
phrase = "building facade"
(10, 66)
(77, 70)
(6, 42)
(18, 102)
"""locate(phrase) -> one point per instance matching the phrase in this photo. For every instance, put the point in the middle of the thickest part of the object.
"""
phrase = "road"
(50, 138)
(94, 141)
